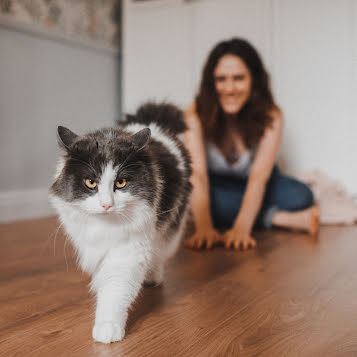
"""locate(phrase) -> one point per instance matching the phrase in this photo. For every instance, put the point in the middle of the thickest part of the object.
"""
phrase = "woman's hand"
(238, 239)
(204, 236)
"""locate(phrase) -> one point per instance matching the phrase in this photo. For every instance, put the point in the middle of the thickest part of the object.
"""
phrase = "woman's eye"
(220, 79)
(90, 184)
(239, 77)
(120, 183)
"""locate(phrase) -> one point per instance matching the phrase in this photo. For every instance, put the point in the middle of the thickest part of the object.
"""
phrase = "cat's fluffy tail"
(167, 116)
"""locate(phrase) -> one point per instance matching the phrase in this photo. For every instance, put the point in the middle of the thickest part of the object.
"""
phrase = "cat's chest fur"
(96, 238)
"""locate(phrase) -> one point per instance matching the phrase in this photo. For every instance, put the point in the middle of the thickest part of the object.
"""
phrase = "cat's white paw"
(107, 332)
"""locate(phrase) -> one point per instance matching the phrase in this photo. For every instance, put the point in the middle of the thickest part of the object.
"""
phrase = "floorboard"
(293, 296)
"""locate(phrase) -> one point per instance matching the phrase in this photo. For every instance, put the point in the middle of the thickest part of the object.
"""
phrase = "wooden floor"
(293, 296)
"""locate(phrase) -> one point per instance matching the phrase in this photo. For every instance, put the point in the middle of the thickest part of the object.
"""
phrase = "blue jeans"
(282, 193)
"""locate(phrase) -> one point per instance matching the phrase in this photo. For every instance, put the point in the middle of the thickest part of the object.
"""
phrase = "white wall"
(43, 84)
(214, 21)
(315, 76)
(157, 57)
(309, 48)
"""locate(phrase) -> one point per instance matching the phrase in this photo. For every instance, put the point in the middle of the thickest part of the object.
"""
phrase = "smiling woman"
(235, 133)
(233, 83)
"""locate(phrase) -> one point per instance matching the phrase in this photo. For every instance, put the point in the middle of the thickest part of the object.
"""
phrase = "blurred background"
(81, 63)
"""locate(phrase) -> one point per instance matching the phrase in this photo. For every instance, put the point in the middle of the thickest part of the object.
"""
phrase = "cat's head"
(107, 172)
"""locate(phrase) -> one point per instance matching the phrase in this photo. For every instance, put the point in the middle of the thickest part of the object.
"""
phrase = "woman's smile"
(232, 83)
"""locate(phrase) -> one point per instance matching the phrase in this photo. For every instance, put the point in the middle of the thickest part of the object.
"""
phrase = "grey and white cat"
(122, 195)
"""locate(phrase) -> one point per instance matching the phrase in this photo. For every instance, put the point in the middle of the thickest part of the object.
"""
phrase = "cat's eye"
(91, 184)
(120, 183)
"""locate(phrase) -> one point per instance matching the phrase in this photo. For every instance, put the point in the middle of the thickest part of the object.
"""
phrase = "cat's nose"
(106, 207)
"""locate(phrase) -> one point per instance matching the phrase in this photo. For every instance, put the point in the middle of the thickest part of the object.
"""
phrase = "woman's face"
(233, 83)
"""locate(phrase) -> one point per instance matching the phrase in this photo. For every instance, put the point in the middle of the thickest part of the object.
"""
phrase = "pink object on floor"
(337, 206)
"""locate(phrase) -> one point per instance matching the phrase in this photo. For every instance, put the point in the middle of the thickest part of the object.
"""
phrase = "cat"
(122, 195)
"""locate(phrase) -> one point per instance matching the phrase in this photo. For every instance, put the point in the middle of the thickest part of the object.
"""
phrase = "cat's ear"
(66, 137)
(141, 138)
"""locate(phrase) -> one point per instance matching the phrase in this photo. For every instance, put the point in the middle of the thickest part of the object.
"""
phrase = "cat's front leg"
(110, 317)
(107, 332)
(116, 289)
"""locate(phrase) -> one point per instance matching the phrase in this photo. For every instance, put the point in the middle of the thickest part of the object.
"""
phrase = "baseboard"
(26, 204)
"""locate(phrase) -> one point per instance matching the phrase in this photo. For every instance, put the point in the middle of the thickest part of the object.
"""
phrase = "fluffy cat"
(122, 195)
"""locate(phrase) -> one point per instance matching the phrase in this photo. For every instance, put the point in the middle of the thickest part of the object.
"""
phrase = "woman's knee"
(292, 195)
(300, 196)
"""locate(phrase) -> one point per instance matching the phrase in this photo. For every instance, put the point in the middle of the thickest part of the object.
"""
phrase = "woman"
(234, 135)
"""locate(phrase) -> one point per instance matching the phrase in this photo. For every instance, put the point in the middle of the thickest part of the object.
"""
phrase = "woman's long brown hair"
(254, 117)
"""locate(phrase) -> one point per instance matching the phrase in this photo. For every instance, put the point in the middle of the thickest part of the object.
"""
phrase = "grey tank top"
(217, 163)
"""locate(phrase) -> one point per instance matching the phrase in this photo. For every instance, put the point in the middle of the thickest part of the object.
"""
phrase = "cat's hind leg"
(155, 274)
(165, 248)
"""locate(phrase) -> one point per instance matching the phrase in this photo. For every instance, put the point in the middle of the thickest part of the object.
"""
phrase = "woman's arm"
(260, 173)
(200, 200)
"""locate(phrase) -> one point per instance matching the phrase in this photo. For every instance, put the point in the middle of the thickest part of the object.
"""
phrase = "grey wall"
(45, 83)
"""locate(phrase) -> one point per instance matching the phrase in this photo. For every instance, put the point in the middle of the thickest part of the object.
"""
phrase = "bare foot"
(314, 220)
(307, 220)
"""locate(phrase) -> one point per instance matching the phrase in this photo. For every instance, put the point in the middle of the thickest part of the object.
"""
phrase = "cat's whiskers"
(52, 235)
(54, 240)
(169, 210)
(123, 163)
(85, 163)
(64, 252)
(127, 218)
(126, 172)
(127, 166)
